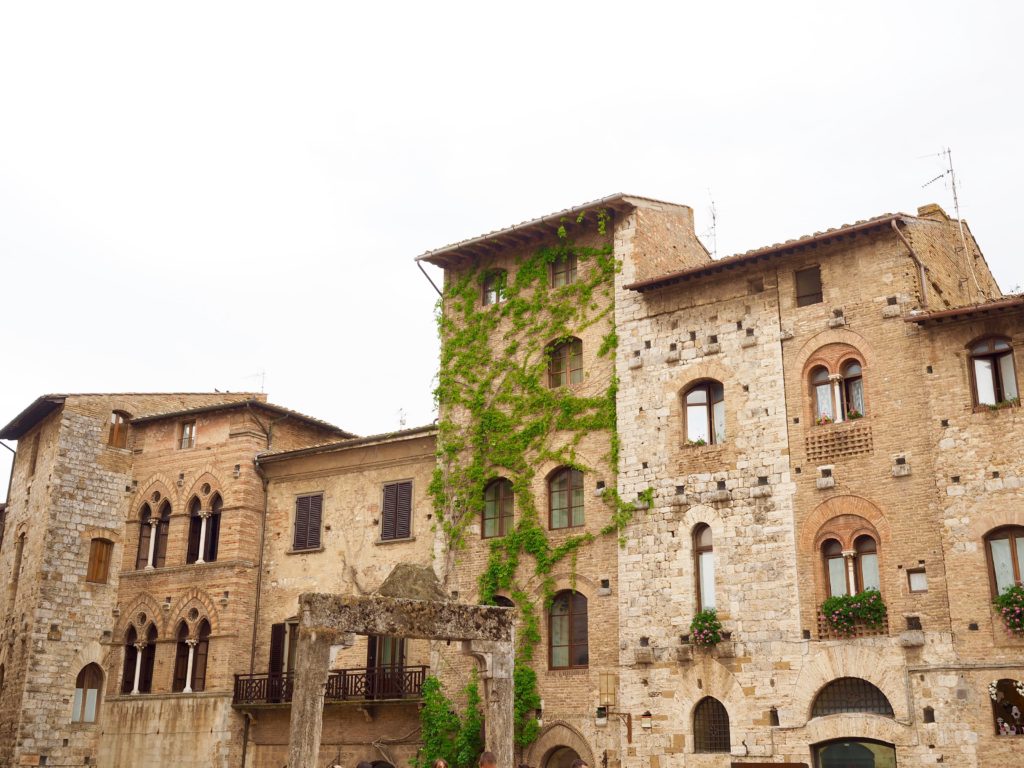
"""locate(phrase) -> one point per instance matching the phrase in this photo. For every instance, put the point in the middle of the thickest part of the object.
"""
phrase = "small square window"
(918, 579)
(808, 286)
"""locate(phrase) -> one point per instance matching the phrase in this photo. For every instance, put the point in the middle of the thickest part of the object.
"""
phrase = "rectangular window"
(706, 566)
(808, 286)
(1002, 564)
(918, 580)
(396, 520)
(837, 576)
(99, 561)
(308, 516)
(869, 572)
(188, 434)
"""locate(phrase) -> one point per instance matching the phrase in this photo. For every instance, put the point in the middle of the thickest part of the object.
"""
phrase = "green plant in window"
(844, 614)
(1010, 605)
(706, 628)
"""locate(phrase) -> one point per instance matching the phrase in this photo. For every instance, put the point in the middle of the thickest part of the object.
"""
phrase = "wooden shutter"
(180, 663)
(403, 527)
(145, 531)
(160, 551)
(277, 634)
(99, 561)
(146, 673)
(301, 522)
(212, 537)
(199, 659)
(195, 524)
(389, 519)
(316, 508)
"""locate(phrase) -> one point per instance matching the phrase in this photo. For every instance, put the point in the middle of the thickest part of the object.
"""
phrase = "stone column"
(153, 523)
(497, 664)
(851, 572)
(203, 517)
(837, 395)
(311, 669)
(139, 648)
(188, 668)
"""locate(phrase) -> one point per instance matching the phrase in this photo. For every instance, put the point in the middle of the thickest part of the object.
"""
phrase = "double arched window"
(498, 506)
(992, 372)
(704, 413)
(567, 632)
(838, 396)
(565, 498)
(1005, 549)
(139, 661)
(710, 726)
(190, 658)
(704, 567)
(153, 532)
(565, 363)
(88, 685)
(203, 529)
(849, 571)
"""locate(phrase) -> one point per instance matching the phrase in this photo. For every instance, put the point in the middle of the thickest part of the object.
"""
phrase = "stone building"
(630, 434)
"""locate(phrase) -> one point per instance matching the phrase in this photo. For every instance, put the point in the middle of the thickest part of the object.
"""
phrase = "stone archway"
(558, 736)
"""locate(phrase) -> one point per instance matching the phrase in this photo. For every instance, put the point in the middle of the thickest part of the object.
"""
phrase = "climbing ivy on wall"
(500, 419)
(446, 735)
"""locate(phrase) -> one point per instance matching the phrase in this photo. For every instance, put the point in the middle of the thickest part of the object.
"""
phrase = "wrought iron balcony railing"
(374, 684)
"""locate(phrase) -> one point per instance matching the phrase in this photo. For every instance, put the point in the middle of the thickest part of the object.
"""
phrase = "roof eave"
(37, 410)
(970, 312)
(344, 445)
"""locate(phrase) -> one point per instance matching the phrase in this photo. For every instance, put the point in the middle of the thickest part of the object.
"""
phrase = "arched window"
(213, 529)
(704, 413)
(850, 694)
(203, 530)
(131, 660)
(87, 694)
(567, 636)
(148, 661)
(190, 659)
(565, 498)
(563, 270)
(1005, 548)
(498, 503)
(201, 655)
(117, 435)
(162, 530)
(992, 371)
(710, 726)
(503, 602)
(145, 533)
(704, 555)
(1007, 698)
(843, 753)
(565, 364)
(867, 563)
(494, 286)
(835, 568)
(139, 660)
(838, 397)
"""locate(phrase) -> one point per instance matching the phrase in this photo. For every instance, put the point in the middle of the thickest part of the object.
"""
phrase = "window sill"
(383, 542)
(311, 551)
(995, 408)
(119, 449)
(569, 671)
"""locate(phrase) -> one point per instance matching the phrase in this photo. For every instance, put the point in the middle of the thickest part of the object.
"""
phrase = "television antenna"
(711, 233)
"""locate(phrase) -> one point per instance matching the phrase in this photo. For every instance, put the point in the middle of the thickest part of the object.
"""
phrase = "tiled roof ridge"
(353, 442)
(237, 404)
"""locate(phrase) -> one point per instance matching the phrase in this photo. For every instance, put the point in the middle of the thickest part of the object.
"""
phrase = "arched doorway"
(560, 757)
(854, 753)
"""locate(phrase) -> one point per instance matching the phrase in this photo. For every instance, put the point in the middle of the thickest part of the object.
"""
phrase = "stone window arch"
(565, 363)
(568, 632)
(1007, 697)
(993, 378)
(835, 380)
(711, 726)
(848, 548)
(704, 412)
(1004, 550)
(204, 510)
(191, 652)
(153, 533)
(139, 660)
(565, 498)
(85, 705)
(704, 566)
(499, 503)
(850, 695)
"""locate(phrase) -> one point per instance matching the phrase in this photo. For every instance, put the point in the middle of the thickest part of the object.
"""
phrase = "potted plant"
(706, 629)
(823, 420)
(1010, 605)
(845, 613)
(698, 441)
(854, 414)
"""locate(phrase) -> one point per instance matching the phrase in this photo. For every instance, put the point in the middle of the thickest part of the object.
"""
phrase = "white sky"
(191, 193)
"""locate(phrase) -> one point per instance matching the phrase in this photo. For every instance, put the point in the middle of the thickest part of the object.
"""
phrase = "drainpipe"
(920, 267)
(259, 588)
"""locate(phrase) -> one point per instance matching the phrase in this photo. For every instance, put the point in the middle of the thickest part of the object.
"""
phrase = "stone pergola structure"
(487, 634)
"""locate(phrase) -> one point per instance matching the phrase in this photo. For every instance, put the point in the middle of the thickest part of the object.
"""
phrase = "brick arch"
(158, 482)
(847, 660)
(833, 357)
(981, 525)
(858, 726)
(154, 615)
(584, 585)
(198, 598)
(838, 506)
(101, 533)
(555, 735)
(717, 682)
(842, 336)
(206, 475)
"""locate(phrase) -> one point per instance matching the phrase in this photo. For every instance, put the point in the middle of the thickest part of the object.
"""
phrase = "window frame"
(308, 544)
(493, 287)
(834, 691)
(574, 474)
(572, 642)
(561, 359)
(397, 534)
(840, 409)
(825, 558)
(1011, 533)
(187, 435)
(101, 554)
(505, 517)
(707, 741)
(708, 386)
(859, 554)
(808, 299)
(568, 273)
(117, 434)
(698, 550)
(80, 702)
(998, 385)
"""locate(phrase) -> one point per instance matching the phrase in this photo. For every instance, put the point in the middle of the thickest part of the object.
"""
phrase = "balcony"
(360, 684)
(827, 632)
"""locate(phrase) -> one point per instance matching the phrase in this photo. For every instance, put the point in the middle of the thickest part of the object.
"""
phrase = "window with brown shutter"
(99, 561)
(308, 516)
(118, 434)
(396, 519)
(808, 286)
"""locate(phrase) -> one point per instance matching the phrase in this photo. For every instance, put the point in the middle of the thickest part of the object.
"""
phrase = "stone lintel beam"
(401, 617)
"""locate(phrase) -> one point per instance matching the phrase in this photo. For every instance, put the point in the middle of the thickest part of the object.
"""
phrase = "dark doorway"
(847, 753)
